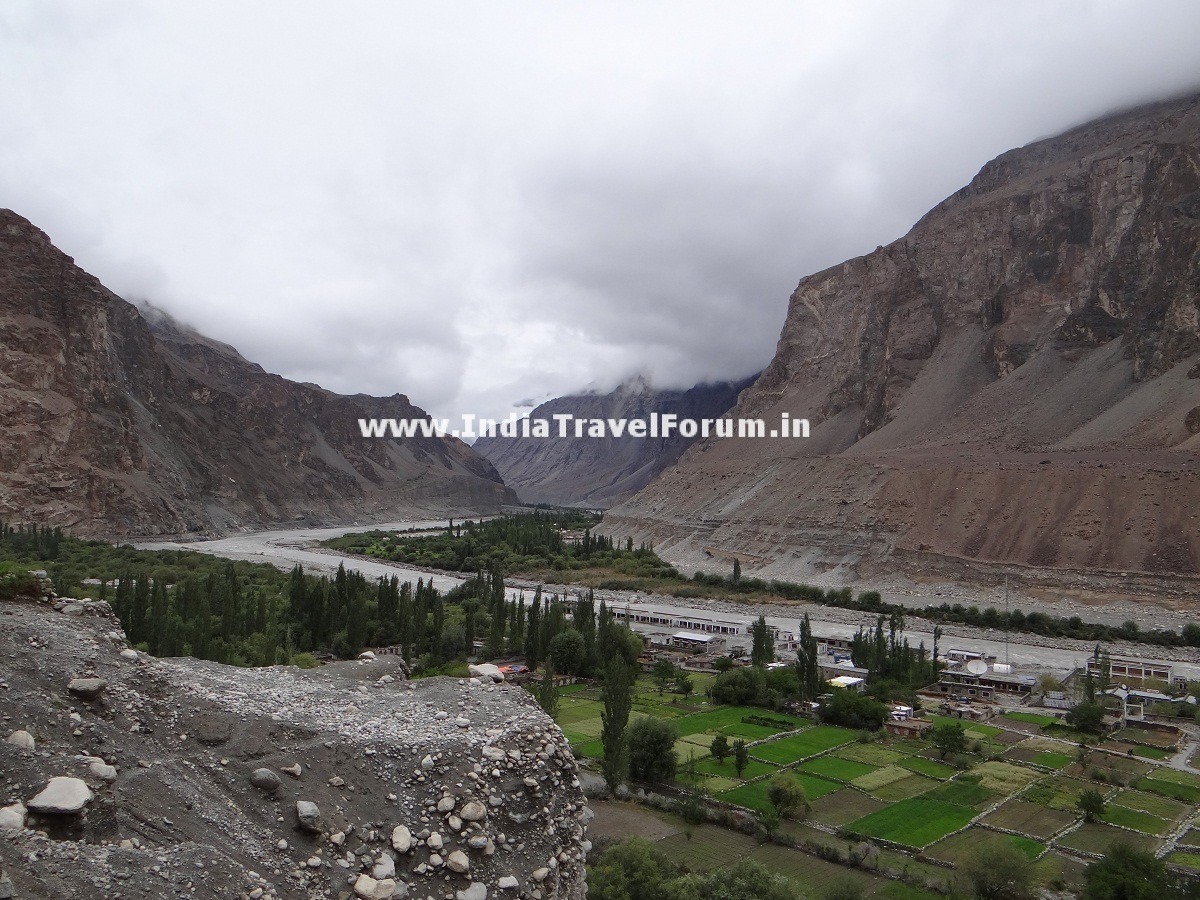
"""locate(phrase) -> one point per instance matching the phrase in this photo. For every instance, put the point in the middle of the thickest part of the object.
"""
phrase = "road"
(286, 548)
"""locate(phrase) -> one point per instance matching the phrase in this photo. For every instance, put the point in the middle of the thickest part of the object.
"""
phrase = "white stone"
(129, 653)
(540, 874)
(507, 883)
(401, 839)
(445, 804)
(457, 861)
(22, 739)
(473, 811)
(385, 867)
(102, 770)
(486, 670)
(62, 796)
(12, 818)
(477, 891)
(434, 841)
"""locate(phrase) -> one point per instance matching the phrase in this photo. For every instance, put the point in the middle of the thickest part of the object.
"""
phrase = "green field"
(844, 806)
(1030, 818)
(1158, 784)
(1135, 819)
(973, 729)
(836, 768)
(1186, 860)
(708, 848)
(917, 822)
(911, 785)
(754, 769)
(1150, 803)
(963, 792)
(1097, 838)
(1030, 718)
(930, 767)
(803, 745)
(871, 754)
(754, 794)
(1058, 792)
(1052, 760)
(958, 848)
(724, 718)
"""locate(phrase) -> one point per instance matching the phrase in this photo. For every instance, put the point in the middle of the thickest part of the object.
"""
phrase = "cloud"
(478, 205)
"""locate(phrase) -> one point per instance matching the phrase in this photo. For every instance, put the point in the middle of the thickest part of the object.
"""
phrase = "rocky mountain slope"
(130, 776)
(1016, 380)
(599, 472)
(120, 420)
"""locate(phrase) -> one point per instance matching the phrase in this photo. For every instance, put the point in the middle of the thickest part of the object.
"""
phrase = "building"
(908, 728)
(1134, 702)
(849, 682)
(697, 642)
(987, 686)
(1129, 671)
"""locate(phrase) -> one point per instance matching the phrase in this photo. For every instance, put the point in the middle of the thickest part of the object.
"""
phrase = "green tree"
(999, 871)
(851, 709)
(723, 664)
(762, 650)
(566, 651)
(1126, 873)
(634, 869)
(741, 756)
(737, 571)
(743, 880)
(684, 684)
(719, 748)
(652, 754)
(663, 673)
(617, 695)
(548, 691)
(787, 796)
(948, 737)
(1087, 716)
(1091, 804)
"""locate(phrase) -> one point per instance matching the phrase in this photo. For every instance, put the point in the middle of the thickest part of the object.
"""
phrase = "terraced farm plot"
(930, 767)
(917, 822)
(1004, 778)
(574, 710)
(803, 745)
(1030, 718)
(754, 794)
(871, 781)
(709, 847)
(1058, 867)
(1030, 819)
(1186, 860)
(976, 730)
(1150, 803)
(697, 743)
(1097, 838)
(836, 768)
(725, 717)
(958, 848)
(1146, 736)
(844, 806)
(1135, 819)
(1051, 760)
(716, 784)
(871, 754)
(1155, 753)
(912, 786)
(1057, 792)
(754, 769)
(1160, 784)
(812, 874)
(964, 792)
(1191, 837)
(591, 750)
(575, 737)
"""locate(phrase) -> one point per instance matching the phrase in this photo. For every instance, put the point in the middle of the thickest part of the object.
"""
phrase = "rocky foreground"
(126, 776)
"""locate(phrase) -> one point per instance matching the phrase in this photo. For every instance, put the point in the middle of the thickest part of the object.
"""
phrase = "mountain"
(1015, 381)
(115, 420)
(598, 472)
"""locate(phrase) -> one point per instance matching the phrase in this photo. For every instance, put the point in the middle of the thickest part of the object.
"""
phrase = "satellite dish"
(976, 667)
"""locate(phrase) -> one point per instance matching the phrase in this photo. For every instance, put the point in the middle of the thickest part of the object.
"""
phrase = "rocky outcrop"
(442, 787)
(600, 472)
(1013, 381)
(115, 419)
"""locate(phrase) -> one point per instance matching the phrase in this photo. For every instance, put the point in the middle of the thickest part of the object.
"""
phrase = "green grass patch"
(1164, 788)
(1186, 860)
(871, 754)
(1002, 777)
(843, 806)
(1051, 760)
(1150, 803)
(911, 786)
(723, 717)
(958, 848)
(708, 848)
(837, 769)
(1057, 792)
(754, 795)
(1097, 838)
(570, 710)
(1135, 819)
(963, 792)
(1030, 718)
(930, 767)
(1031, 819)
(916, 822)
(976, 730)
(1146, 736)
(754, 769)
(805, 744)
(1156, 753)
(1191, 838)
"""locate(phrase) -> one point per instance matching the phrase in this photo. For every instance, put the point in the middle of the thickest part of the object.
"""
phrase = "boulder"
(458, 862)
(265, 780)
(102, 770)
(473, 811)
(486, 670)
(401, 839)
(22, 739)
(62, 796)
(308, 814)
(477, 891)
(369, 888)
(87, 688)
(12, 817)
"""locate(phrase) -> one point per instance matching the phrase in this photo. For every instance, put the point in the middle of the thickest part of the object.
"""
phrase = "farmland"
(1019, 784)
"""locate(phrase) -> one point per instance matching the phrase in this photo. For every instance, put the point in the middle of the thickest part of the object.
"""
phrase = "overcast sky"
(478, 204)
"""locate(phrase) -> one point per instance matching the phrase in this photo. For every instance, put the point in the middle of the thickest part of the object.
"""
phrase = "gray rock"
(369, 888)
(12, 817)
(507, 883)
(62, 796)
(309, 816)
(294, 770)
(385, 867)
(265, 780)
(401, 839)
(457, 861)
(477, 891)
(87, 688)
(102, 770)
(22, 739)
(473, 811)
